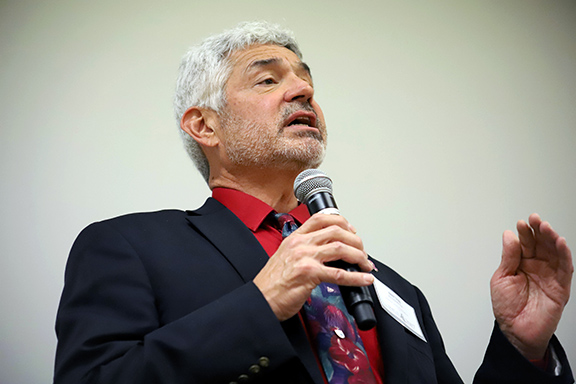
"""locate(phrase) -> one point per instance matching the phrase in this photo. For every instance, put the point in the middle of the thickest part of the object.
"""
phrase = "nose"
(299, 89)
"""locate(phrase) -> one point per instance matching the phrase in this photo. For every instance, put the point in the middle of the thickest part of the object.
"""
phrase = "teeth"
(301, 121)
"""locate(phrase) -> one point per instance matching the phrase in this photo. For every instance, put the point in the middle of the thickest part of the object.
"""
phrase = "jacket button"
(254, 369)
(243, 378)
(264, 362)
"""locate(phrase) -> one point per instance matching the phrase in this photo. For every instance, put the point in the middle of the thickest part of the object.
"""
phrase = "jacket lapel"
(241, 248)
(231, 237)
(392, 338)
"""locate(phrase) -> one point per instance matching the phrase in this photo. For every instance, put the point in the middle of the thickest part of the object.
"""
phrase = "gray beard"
(252, 144)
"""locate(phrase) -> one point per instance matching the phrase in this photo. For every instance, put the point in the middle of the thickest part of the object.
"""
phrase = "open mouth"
(302, 118)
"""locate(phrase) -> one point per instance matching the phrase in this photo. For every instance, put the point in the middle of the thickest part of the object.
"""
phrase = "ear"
(199, 123)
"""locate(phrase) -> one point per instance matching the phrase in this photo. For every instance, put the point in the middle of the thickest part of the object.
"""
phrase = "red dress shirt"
(255, 214)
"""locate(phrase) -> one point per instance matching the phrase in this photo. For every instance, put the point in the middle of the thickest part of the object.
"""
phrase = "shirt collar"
(250, 210)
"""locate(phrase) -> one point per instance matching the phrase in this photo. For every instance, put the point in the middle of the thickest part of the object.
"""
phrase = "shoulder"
(154, 220)
(143, 229)
(140, 220)
(131, 226)
(146, 217)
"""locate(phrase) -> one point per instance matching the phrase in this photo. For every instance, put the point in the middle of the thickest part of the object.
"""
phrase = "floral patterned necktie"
(332, 329)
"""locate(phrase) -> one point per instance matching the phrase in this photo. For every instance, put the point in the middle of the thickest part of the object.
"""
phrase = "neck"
(274, 187)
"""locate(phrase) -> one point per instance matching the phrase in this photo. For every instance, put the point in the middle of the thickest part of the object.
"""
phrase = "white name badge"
(400, 310)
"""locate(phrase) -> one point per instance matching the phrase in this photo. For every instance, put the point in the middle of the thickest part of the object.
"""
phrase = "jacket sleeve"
(503, 364)
(111, 329)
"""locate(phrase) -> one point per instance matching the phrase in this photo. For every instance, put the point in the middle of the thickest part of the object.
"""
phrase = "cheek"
(235, 107)
(266, 105)
(318, 111)
(321, 121)
(260, 109)
(263, 112)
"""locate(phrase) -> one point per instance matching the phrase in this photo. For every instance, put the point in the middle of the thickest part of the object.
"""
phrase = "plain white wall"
(448, 120)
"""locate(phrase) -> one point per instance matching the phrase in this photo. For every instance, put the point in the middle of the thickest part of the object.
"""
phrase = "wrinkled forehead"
(261, 56)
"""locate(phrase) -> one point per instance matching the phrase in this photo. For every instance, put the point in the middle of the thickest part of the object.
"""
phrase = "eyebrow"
(275, 61)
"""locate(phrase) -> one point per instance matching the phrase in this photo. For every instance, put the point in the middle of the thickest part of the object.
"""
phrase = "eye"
(267, 81)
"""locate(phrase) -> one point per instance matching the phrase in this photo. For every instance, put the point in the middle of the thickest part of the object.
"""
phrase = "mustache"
(304, 106)
(301, 106)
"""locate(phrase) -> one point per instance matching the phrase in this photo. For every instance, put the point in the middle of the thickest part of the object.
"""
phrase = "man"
(216, 295)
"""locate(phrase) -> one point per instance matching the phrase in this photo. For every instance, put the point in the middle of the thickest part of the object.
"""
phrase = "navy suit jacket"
(168, 297)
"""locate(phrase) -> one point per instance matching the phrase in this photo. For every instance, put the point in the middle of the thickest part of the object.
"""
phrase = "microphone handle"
(357, 299)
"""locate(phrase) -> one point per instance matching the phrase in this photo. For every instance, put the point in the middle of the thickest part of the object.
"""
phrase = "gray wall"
(449, 121)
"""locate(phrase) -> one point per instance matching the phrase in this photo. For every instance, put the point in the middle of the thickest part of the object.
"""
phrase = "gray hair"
(205, 69)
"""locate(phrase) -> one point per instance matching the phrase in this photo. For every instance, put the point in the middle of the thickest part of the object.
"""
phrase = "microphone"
(314, 188)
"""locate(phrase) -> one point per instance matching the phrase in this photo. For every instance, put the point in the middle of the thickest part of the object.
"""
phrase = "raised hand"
(532, 285)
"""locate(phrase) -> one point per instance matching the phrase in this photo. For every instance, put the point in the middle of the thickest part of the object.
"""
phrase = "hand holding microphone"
(306, 258)
(314, 188)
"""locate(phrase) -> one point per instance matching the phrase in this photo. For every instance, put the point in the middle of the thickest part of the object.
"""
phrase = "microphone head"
(309, 182)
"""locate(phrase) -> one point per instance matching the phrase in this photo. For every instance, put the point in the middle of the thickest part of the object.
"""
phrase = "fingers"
(545, 234)
(319, 221)
(511, 254)
(299, 264)
(535, 221)
(327, 246)
(564, 250)
(565, 261)
(328, 238)
(527, 239)
(530, 234)
(337, 251)
(538, 239)
(340, 276)
(535, 240)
